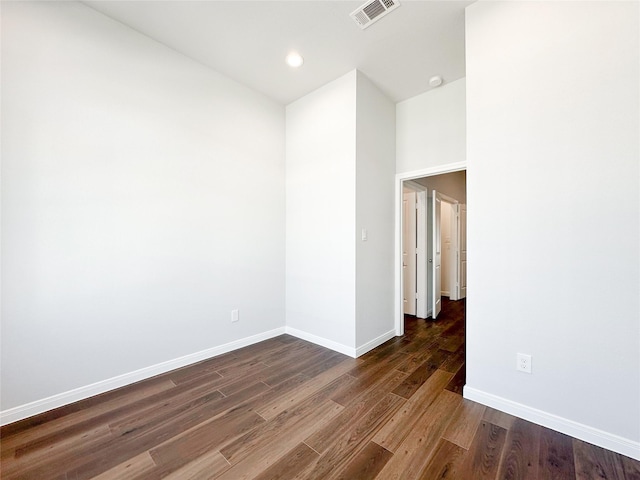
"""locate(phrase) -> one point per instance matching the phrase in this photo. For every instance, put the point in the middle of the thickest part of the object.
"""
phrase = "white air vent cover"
(373, 11)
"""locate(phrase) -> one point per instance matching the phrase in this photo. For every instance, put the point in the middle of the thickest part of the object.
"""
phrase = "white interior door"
(462, 251)
(448, 248)
(436, 255)
(429, 247)
(454, 267)
(409, 252)
(421, 255)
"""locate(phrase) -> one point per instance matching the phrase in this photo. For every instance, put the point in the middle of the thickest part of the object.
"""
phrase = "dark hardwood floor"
(288, 409)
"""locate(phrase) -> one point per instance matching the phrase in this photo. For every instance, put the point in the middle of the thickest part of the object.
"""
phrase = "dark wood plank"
(210, 366)
(55, 426)
(414, 360)
(38, 463)
(631, 468)
(208, 466)
(139, 466)
(415, 452)
(596, 463)
(499, 418)
(366, 464)
(253, 455)
(464, 424)
(414, 381)
(458, 381)
(371, 378)
(454, 361)
(556, 456)
(340, 447)
(387, 349)
(81, 410)
(271, 405)
(243, 369)
(158, 431)
(371, 367)
(298, 420)
(290, 465)
(207, 436)
(155, 409)
(394, 432)
(521, 452)
(87, 462)
(288, 371)
(453, 343)
(445, 463)
(483, 458)
(378, 404)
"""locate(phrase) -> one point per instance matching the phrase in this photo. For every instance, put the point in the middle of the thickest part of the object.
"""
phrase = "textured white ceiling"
(248, 41)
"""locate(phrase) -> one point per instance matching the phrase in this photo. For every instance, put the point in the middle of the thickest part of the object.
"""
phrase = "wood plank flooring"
(289, 409)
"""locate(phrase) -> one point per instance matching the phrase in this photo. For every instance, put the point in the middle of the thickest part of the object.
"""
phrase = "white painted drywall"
(321, 213)
(553, 143)
(375, 167)
(142, 201)
(430, 128)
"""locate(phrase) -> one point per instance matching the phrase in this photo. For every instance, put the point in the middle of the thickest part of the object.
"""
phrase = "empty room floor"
(286, 408)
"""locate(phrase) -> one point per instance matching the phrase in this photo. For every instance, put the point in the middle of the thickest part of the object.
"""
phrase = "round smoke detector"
(435, 81)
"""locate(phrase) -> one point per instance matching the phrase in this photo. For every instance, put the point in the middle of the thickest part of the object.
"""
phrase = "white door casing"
(409, 253)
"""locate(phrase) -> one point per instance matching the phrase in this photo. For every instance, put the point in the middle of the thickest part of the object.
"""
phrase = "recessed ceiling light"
(295, 60)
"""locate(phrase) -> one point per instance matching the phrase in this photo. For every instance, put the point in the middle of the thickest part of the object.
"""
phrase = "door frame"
(399, 183)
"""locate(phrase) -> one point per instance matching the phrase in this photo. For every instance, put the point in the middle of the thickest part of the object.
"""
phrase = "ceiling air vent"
(371, 12)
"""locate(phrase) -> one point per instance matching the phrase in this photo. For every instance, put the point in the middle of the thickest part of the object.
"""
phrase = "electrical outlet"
(524, 363)
(234, 316)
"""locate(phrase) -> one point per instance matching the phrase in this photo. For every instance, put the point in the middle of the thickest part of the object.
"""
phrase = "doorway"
(400, 180)
(433, 242)
(444, 223)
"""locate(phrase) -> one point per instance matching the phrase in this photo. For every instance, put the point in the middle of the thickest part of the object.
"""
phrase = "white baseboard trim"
(603, 439)
(361, 350)
(323, 342)
(339, 347)
(39, 406)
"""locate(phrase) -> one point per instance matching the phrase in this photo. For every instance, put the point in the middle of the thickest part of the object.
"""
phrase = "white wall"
(375, 167)
(340, 164)
(321, 214)
(142, 200)
(553, 140)
(431, 128)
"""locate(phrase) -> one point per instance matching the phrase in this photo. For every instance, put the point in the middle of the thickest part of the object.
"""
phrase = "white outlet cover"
(523, 363)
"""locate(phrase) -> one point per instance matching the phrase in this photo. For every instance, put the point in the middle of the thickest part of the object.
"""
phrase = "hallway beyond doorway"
(442, 341)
